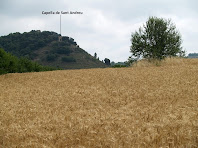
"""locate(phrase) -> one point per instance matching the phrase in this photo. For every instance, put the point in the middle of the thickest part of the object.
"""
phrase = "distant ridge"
(44, 48)
(193, 55)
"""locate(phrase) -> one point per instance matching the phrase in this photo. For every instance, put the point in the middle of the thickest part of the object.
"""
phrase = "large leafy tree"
(156, 40)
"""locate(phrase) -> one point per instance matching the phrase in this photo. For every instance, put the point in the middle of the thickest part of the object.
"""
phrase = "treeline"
(13, 64)
(193, 55)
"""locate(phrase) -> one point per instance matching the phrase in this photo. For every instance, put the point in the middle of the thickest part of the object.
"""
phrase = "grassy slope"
(129, 107)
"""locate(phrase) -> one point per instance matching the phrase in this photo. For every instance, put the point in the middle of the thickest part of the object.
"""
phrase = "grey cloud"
(105, 26)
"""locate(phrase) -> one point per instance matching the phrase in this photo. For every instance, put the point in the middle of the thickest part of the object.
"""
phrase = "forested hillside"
(44, 48)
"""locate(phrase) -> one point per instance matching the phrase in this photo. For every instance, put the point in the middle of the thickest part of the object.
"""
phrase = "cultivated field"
(143, 106)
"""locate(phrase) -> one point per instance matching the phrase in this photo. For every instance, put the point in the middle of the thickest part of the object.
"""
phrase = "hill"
(149, 106)
(44, 48)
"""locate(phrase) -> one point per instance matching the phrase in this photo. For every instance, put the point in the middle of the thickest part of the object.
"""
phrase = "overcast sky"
(105, 26)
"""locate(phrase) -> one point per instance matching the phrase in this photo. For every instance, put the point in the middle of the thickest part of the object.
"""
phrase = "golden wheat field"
(140, 106)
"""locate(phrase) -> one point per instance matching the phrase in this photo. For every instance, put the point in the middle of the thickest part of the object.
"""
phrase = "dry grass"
(154, 106)
(174, 61)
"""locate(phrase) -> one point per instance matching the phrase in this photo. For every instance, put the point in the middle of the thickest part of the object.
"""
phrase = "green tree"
(8, 63)
(95, 55)
(107, 61)
(156, 40)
